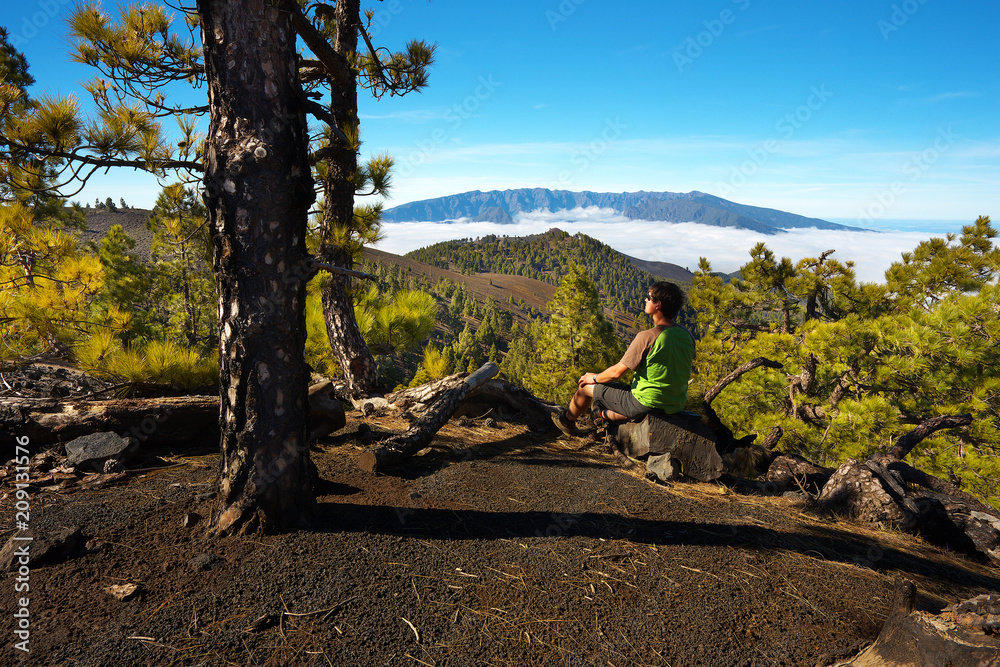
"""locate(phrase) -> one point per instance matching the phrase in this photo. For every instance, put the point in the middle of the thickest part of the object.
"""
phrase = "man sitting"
(661, 358)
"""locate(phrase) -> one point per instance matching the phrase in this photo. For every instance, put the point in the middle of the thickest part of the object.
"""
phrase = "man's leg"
(583, 399)
(616, 402)
(611, 415)
(580, 402)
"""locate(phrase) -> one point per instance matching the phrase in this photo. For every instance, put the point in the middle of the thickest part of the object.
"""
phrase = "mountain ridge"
(501, 206)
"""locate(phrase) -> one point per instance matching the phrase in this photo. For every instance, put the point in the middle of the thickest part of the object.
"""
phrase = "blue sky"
(864, 112)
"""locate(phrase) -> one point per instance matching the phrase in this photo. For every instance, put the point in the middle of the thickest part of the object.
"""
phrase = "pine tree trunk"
(348, 345)
(258, 190)
(355, 359)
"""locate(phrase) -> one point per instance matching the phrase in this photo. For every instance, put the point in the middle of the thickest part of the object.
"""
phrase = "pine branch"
(335, 64)
(905, 444)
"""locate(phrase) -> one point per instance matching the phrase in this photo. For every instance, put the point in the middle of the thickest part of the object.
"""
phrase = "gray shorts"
(617, 396)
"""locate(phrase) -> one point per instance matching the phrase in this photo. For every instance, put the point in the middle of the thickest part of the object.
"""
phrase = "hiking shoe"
(566, 425)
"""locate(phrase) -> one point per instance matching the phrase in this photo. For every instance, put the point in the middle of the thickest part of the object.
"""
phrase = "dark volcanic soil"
(498, 547)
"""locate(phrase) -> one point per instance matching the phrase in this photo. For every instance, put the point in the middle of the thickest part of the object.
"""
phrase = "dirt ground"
(499, 546)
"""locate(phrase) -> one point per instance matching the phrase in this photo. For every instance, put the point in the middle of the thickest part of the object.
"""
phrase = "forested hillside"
(547, 257)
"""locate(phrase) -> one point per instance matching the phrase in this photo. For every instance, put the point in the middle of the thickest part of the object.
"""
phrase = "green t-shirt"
(661, 378)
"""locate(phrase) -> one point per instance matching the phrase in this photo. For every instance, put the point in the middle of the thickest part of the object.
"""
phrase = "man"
(661, 358)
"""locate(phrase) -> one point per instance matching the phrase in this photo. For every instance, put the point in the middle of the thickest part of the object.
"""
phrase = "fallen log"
(171, 420)
(791, 471)
(886, 492)
(496, 398)
(448, 397)
(51, 421)
(962, 635)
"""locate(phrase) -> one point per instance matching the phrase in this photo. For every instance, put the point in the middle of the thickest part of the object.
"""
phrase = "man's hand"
(587, 378)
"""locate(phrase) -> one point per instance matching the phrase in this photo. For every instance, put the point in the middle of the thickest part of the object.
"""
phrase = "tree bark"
(497, 398)
(170, 421)
(258, 189)
(794, 472)
(905, 444)
(880, 491)
(349, 347)
(958, 636)
(398, 448)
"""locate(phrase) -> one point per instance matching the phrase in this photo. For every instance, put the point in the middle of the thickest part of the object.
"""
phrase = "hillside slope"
(621, 280)
(132, 221)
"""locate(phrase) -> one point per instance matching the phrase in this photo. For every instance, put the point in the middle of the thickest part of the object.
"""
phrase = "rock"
(664, 467)
(190, 519)
(44, 547)
(122, 591)
(683, 436)
(203, 562)
(95, 449)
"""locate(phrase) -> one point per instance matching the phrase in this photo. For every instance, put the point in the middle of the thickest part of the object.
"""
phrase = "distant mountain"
(502, 205)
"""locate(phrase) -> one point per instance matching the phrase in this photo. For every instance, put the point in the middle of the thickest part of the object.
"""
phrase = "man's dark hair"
(669, 296)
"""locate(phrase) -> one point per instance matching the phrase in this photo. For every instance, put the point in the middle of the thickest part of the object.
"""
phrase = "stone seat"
(675, 444)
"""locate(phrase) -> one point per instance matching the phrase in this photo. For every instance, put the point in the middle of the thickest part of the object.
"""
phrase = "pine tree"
(864, 363)
(256, 151)
(576, 339)
(47, 285)
(127, 287)
(181, 257)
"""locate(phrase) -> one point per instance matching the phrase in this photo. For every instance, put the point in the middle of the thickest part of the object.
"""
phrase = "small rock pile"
(40, 380)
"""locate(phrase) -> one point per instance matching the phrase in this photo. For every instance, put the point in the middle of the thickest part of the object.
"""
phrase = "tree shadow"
(827, 543)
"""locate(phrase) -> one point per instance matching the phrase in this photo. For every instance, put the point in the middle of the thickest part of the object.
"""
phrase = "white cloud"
(678, 243)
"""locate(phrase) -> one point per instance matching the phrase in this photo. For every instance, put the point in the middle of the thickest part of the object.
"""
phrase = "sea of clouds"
(683, 243)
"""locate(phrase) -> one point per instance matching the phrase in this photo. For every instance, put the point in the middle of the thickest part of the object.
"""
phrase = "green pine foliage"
(128, 287)
(576, 339)
(157, 361)
(47, 284)
(863, 363)
(181, 263)
(433, 366)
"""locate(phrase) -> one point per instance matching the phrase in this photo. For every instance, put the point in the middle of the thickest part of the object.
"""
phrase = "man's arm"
(609, 374)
